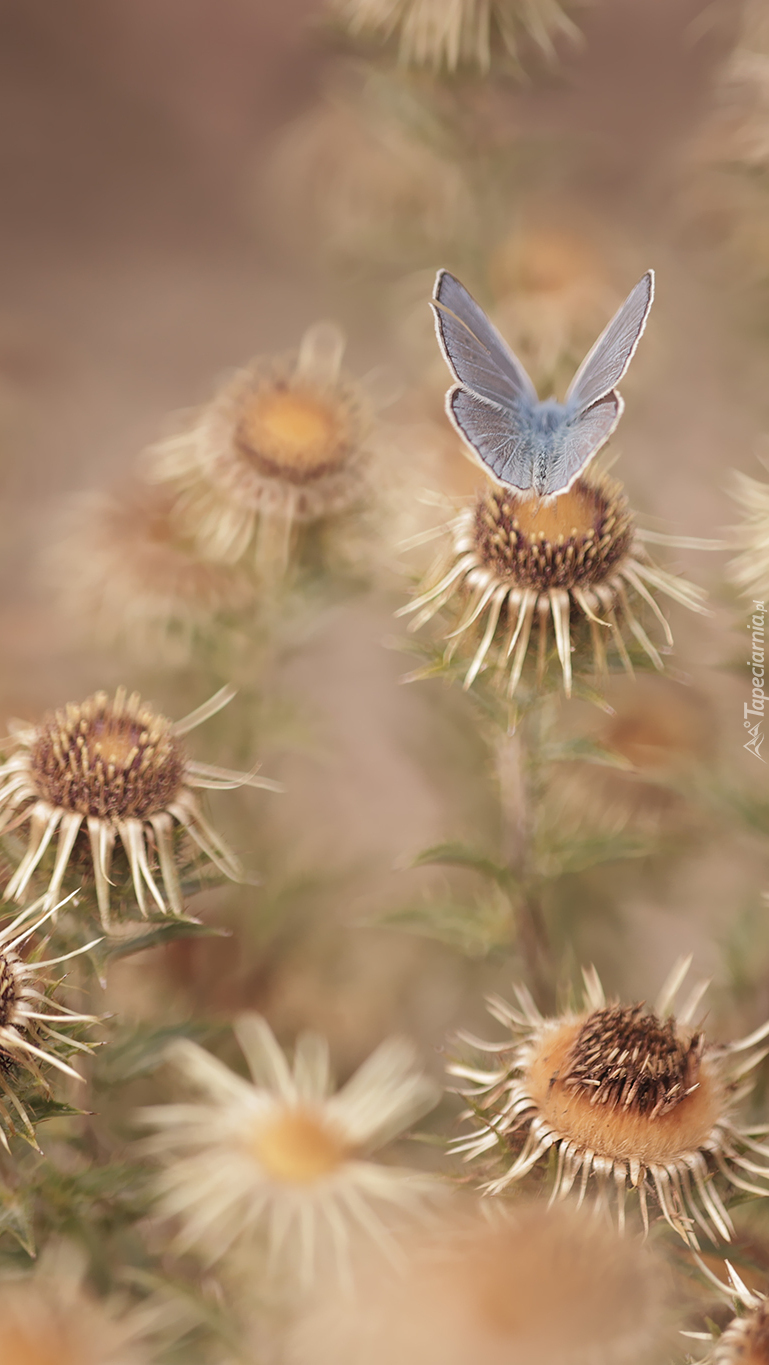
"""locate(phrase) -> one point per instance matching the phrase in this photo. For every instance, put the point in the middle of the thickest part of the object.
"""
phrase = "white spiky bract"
(122, 773)
(749, 570)
(601, 1144)
(30, 1019)
(282, 1152)
(501, 580)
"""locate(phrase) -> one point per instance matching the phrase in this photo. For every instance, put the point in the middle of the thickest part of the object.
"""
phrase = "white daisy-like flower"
(114, 768)
(624, 1096)
(283, 1152)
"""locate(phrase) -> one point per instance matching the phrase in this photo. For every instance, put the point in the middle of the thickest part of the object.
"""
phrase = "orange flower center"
(573, 514)
(293, 433)
(605, 1112)
(576, 540)
(298, 1147)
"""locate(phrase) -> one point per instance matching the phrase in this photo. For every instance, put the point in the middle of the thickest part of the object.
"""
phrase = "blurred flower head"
(553, 293)
(750, 569)
(284, 1152)
(659, 734)
(447, 34)
(367, 177)
(627, 1096)
(113, 768)
(49, 1318)
(529, 1284)
(512, 561)
(31, 1018)
(124, 576)
(282, 444)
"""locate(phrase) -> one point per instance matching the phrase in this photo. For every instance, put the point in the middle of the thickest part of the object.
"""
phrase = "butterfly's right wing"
(573, 445)
(502, 444)
(607, 361)
(475, 352)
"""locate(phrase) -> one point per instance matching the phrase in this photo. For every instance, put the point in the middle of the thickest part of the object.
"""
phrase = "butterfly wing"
(475, 352)
(502, 444)
(573, 444)
(605, 364)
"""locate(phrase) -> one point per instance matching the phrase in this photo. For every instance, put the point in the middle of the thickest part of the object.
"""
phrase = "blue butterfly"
(533, 446)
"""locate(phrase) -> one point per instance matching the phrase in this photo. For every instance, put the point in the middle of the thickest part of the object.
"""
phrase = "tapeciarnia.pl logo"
(755, 707)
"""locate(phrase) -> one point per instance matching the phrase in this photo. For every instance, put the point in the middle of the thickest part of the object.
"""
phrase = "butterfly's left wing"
(574, 444)
(605, 364)
(501, 442)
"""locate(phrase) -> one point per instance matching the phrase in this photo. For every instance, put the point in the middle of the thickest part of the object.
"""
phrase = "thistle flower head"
(283, 1152)
(123, 575)
(511, 562)
(625, 1096)
(31, 1017)
(283, 443)
(445, 36)
(113, 768)
(533, 1283)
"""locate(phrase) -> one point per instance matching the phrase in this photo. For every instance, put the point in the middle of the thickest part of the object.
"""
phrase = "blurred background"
(162, 222)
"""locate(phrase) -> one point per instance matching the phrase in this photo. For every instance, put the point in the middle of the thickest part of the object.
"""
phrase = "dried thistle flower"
(622, 1094)
(117, 768)
(282, 444)
(124, 576)
(512, 560)
(281, 1151)
(531, 1283)
(745, 1340)
(30, 1016)
(447, 34)
(750, 569)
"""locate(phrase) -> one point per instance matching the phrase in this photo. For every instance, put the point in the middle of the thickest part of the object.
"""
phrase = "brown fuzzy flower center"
(624, 1084)
(297, 1147)
(109, 759)
(575, 541)
(293, 433)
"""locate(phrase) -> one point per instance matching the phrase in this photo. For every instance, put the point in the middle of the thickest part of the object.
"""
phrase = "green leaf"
(137, 1051)
(461, 855)
(161, 932)
(474, 927)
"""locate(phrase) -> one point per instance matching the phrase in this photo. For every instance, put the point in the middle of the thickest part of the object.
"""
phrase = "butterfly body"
(536, 447)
